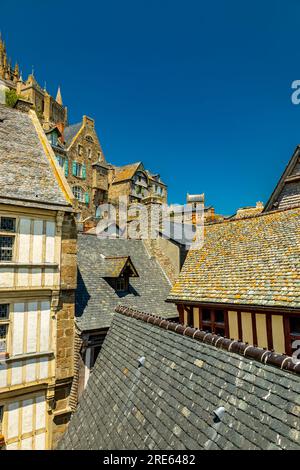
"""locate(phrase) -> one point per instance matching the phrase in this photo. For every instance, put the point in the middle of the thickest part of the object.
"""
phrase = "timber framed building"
(37, 286)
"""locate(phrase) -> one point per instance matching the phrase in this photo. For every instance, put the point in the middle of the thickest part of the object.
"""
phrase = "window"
(89, 139)
(80, 149)
(79, 170)
(4, 322)
(294, 324)
(120, 284)
(89, 153)
(7, 224)
(212, 321)
(6, 248)
(78, 193)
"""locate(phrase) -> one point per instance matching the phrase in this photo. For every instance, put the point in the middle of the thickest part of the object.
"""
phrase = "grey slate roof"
(169, 402)
(25, 171)
(70, 132)
(96, 300)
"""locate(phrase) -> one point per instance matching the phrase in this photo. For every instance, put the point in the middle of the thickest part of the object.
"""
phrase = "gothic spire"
(58, 97)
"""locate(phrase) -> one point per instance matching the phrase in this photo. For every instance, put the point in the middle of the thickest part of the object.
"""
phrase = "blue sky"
(197, 90)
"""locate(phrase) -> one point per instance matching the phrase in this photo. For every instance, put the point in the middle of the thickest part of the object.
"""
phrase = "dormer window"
(122, 284)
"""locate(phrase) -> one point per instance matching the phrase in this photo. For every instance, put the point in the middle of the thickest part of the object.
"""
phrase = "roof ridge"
(253, 216)
(264, 356)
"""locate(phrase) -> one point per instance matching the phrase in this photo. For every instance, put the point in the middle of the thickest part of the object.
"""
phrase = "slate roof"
(70, 132)
(25, 171)
(169, 402)
(96, 300)
(252, 261)
(287, 191)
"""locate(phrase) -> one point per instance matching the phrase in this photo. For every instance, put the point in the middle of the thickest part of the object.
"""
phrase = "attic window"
(119, 284)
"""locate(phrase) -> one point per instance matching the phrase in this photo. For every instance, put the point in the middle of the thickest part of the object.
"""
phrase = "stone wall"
(91, 153)
(65, 316)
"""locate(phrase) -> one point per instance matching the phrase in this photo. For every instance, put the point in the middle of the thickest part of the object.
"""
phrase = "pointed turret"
(58, 97)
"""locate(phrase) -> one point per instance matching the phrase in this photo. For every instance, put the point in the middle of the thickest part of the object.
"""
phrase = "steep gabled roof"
(126, 172)
(28, 168)
(114, 266)
(96, 299)
(169, 402)
(253, 261)
(70, 132)
(287, 191)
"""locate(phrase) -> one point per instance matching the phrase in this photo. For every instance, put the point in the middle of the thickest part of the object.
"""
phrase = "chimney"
(61, 127)
(23, 105)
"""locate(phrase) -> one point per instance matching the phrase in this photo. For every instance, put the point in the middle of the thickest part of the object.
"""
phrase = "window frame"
(5, 321)
(76, 187)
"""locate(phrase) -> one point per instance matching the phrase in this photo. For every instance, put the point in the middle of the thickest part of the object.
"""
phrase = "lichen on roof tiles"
(253, 261)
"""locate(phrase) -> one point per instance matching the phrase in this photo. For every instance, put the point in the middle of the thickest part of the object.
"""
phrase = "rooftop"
(169, 402)
(96, 299)
(250, 261)
(25, 169)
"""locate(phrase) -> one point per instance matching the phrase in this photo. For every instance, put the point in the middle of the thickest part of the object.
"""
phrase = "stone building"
(157, 385)
(50, 111)
(37, 285)
(135, 183)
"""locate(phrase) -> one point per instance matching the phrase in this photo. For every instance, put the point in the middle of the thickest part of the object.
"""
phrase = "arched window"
(78, 193)
(89, 139)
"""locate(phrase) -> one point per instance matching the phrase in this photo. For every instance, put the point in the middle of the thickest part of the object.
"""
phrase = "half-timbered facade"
(244, 282)
(37, 285)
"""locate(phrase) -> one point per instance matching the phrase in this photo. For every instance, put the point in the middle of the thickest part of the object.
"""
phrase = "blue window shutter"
(87, 198)
(58, 159)
(74, 167)
(66, 167)
(83, 171)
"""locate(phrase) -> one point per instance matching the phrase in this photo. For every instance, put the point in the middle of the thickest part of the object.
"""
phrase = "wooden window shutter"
(87, 198)
(66, 167)
(83, 172)
(74, 168)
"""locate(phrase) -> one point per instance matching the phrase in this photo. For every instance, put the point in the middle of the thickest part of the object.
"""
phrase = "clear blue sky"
(198, 90)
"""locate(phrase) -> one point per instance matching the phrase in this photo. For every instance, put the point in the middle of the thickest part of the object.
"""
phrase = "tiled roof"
(25, 171)
(253, 261)
(126, 172)
(70, 132)
(169, 402)
(96, 300)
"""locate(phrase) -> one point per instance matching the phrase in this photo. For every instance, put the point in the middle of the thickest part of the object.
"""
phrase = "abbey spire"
(59, 97)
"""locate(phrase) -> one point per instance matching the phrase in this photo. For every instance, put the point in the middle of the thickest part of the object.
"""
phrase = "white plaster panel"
(40, 441)
(23, 277)
(37, 247)
(32, 317)
(26, 444)
(36, 277)
(44, 363)
(45, 326)
(13, 419)
(24, 240)
(27, 416)
(40, 414)
(16, 373)
(31, 370)
(17, 328)
(50, 242)
(6, 277)
(49, 277)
